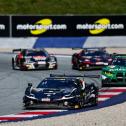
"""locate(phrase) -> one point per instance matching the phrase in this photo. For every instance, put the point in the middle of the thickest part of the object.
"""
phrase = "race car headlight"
(31, 96)
(66, 103)
(67, 97)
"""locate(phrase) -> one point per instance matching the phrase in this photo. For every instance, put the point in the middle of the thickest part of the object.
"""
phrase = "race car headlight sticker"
(108, 73)
(31, 96)
(67, 97)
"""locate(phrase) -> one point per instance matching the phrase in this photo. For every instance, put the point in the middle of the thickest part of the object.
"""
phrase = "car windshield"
(120, 62)
(93, 53)
(57, 83)
(36, 53)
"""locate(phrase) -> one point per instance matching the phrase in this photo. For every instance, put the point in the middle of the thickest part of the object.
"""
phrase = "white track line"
(19, 116)
(109, 93)
(102, 99)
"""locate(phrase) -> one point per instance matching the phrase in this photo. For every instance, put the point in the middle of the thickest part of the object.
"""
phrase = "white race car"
(27, 59)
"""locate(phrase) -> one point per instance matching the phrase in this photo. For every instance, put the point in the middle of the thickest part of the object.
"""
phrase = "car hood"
(115, 68)
(50, 93)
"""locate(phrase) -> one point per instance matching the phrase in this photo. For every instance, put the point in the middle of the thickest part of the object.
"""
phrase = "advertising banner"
(63, 26)
(4, 26)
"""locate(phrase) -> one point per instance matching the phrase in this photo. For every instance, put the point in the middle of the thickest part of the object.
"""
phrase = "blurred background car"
(28, 59)
(115, 73)
(91, 59)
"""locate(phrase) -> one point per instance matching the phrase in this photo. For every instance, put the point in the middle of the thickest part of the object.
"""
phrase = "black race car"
(91, 59)
(27, 59)
(61, 91)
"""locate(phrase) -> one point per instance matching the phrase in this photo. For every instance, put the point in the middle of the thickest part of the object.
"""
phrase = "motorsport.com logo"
(46, 24)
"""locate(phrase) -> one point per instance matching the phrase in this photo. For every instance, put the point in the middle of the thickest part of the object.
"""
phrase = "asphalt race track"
(14, 82)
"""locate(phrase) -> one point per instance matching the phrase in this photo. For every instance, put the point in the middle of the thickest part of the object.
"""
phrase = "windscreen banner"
(4, 26)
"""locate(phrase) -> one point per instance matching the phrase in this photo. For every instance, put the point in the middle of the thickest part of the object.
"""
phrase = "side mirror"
(29, 84)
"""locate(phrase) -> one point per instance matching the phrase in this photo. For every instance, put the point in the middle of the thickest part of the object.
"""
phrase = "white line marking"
(109, 93)
(48, 110)
(102, 99)
(19, 116)
(109, 88)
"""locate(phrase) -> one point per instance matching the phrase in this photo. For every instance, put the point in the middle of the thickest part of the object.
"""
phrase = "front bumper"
(34, 103)
(89, 66)
(119, 81)
(40, 65)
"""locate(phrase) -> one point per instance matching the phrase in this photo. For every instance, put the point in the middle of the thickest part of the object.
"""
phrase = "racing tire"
(95, 102)
(56, 67)
(27, 106)
(73, 67)
(80, 104)
(21, 69)
(13, 64)
(104, 83)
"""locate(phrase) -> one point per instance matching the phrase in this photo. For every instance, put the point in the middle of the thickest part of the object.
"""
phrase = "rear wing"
(90, 48)
(16, 50)
(19, 50)
(64, 75)
(96, 49)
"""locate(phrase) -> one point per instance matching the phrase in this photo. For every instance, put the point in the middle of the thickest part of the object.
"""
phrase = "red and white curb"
(28, 115)
(104, 94)
(107, 93)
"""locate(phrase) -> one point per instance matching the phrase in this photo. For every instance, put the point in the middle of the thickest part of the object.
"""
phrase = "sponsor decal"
(2, 27)
(99, 26)
(68, 26)
(39, 57)
(41, 26)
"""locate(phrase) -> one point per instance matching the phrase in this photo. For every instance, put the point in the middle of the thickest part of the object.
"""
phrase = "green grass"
(62, 7)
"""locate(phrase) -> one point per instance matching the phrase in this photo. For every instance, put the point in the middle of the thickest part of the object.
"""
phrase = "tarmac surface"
(13, 84)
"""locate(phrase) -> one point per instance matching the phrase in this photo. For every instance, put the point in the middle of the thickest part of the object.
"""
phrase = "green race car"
(115, 73)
